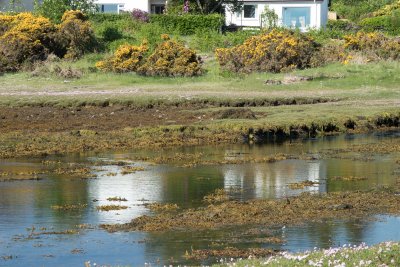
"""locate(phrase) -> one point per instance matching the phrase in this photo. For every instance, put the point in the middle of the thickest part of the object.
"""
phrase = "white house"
(115, 6)
(303, 14)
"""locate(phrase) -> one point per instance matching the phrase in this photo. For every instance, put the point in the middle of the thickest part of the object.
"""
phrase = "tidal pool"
(32, 233)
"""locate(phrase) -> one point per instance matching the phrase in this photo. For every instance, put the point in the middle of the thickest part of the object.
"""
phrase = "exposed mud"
(40, 131)
(295, 210)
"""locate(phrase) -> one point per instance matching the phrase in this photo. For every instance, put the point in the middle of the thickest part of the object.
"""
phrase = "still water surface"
(24, 204)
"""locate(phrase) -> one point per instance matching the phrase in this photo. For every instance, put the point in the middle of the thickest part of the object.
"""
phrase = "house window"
(249, 11)
(296, 17)
(157, 9)
(110, 8)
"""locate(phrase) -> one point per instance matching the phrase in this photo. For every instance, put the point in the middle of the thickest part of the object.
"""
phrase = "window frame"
(255, 6)
(307, 18)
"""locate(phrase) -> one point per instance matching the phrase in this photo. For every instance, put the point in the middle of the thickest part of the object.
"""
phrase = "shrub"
(140, 15)
(342, 25)
(387, 10)
(357, 9)
(386, 23)
(127, 58)
(77, 34)
(26, 38)
(109, 32)
(272, 51)
(54, 9)
(172, 59)
(188, 24)
(375, 43)
(330, 52)
(208, 40)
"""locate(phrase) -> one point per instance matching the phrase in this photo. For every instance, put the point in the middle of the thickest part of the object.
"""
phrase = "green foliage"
(54, 9)
(188, 24)
(269, 18)
(273, 51)
(387, 23)
(96, 18)
(357, 9)
(109, 32)
(208, 40)
(388, 9)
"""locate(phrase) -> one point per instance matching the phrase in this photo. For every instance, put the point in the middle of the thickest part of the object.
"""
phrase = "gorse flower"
(273, 51)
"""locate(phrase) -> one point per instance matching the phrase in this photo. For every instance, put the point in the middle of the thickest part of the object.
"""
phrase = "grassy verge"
(46, 115)
(384, 254)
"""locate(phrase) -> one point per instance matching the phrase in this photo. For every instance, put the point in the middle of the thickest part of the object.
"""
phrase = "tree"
(269, 18)
(54, 9)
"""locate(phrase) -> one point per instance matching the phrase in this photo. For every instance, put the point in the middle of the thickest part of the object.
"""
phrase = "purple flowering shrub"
(140, 15)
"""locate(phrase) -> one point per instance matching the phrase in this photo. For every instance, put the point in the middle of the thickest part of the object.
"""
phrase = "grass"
(359, 82)
(384, 254)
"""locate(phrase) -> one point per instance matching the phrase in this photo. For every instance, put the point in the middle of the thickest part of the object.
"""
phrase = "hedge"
(389, 24)
(109, 17)
(188, 24)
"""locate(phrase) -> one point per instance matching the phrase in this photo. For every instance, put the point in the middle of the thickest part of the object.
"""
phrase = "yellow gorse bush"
(127, 58)
(77, 34)
(375, 44)
(273, 51)
(172, 59)
(25, 38)
(169, 59)
(387, 10)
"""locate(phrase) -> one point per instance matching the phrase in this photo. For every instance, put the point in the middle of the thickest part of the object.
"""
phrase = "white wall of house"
(300, 14)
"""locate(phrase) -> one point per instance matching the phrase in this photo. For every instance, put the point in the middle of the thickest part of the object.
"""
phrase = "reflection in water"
(27, 203)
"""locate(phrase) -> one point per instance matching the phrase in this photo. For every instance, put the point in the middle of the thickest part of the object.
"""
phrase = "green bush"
(109, 17)
(357, 9)
(109, 32)
(188, 24)
(388, 23)
(54, 9)
(208, 40)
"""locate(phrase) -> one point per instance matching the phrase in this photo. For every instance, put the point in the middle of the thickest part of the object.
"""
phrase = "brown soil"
(94, 118)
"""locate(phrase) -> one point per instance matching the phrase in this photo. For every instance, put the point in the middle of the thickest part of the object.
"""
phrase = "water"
(24, 204)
